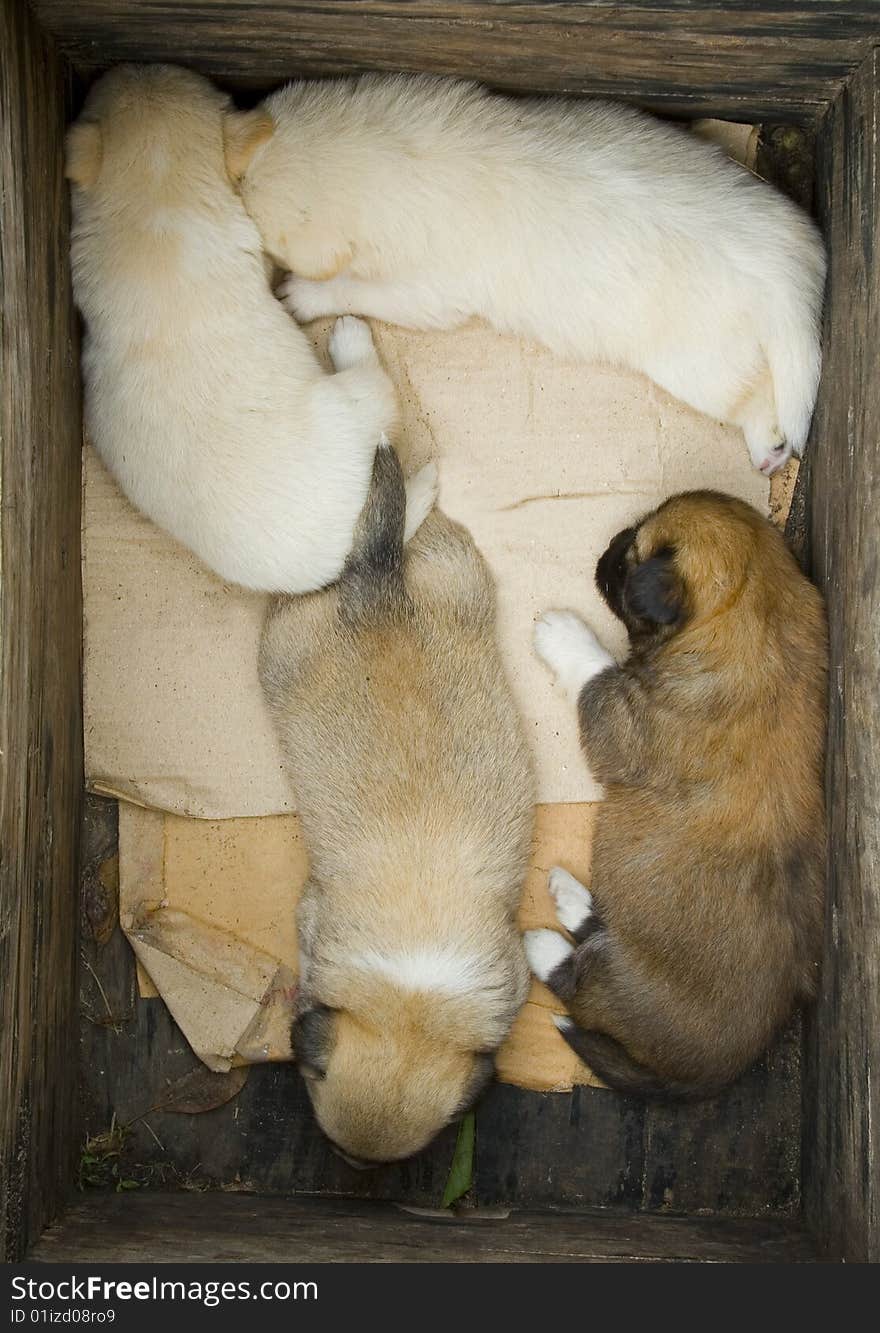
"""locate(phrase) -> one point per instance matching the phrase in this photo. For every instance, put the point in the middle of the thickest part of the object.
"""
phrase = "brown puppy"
(701, 930)
(414, 786)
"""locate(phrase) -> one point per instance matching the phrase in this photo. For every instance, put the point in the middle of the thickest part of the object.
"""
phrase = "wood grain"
(162, 1228)
(842, 1130)
(40, 608)
(779, 59)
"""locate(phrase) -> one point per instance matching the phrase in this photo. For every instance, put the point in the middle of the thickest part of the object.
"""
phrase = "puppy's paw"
(351, 344)
(768, 448)
(574, 903)
(421, 494)
(772, 458)
(570, 649)
(546, 950)
(307, 300)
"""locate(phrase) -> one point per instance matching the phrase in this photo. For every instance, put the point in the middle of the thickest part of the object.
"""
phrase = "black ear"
(481, 1076)
(311, 1037)
(653, 590)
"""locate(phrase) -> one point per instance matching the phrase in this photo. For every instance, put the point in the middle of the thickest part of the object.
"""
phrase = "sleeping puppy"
(700, 931)
(414, 786)
(591, 227)
(203, 397)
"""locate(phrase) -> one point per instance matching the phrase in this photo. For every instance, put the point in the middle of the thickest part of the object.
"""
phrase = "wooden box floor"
(161, 1228)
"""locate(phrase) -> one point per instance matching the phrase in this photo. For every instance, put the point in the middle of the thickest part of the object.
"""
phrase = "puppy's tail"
(372, 576)
(615, 1066)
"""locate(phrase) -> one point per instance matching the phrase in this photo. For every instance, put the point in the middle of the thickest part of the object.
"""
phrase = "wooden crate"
(814, 1176)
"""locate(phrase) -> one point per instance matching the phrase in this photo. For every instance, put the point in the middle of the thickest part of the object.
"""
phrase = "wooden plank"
(40, 627)
(737, 59)
(842, 1133)
(169, 1228)
(738, 1153)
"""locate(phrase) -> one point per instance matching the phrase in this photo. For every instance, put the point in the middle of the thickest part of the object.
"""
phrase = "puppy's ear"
(653, 590)
(480, 1077)
(312, 1037)
(83, 151)
(243, 133)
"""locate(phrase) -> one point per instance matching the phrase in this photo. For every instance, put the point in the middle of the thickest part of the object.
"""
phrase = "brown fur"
(414, 787)
(708, 861)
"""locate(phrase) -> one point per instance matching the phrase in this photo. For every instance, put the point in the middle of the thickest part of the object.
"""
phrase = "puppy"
(202, 396)
(591, 227)
(414, 786)
(701, 929)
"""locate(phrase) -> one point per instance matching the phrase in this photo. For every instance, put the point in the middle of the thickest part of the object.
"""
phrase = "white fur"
(594, 228)
(570, 649)
(574, 903)
(445, 970)
(421, 492)
(545, 950)
(203, 397)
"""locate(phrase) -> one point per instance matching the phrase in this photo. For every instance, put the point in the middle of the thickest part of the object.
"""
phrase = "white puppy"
(203, 397)
(592, 227)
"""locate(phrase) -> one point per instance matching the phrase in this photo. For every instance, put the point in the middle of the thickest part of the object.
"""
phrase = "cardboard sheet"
(209, 910)
(542, 459)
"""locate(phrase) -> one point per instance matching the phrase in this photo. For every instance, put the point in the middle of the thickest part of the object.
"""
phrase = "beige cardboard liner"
(543, 460)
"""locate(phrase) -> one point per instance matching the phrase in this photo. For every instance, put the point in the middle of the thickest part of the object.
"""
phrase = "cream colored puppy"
(203, 397)
(414, 786)
(591, 227)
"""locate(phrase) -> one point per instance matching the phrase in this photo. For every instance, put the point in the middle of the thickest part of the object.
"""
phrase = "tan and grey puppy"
(415, 790)
(700, 932)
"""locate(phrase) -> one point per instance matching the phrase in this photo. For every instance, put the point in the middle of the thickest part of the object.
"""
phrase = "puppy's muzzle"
(611, 570)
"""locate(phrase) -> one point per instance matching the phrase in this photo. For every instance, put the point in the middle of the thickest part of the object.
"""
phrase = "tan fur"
(708, 860)
(243, 133)
(414, 786)
(83, 152)
(330, 267)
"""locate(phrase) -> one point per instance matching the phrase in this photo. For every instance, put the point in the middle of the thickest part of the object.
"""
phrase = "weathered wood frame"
(812, 61)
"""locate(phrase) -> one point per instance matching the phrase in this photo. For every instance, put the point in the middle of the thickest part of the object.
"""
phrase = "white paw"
(545, 950)
(772, 458)
(574, 903)
(768, 448)
(351, 344)
(570, 649)
(421, 493)
(306, 300)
